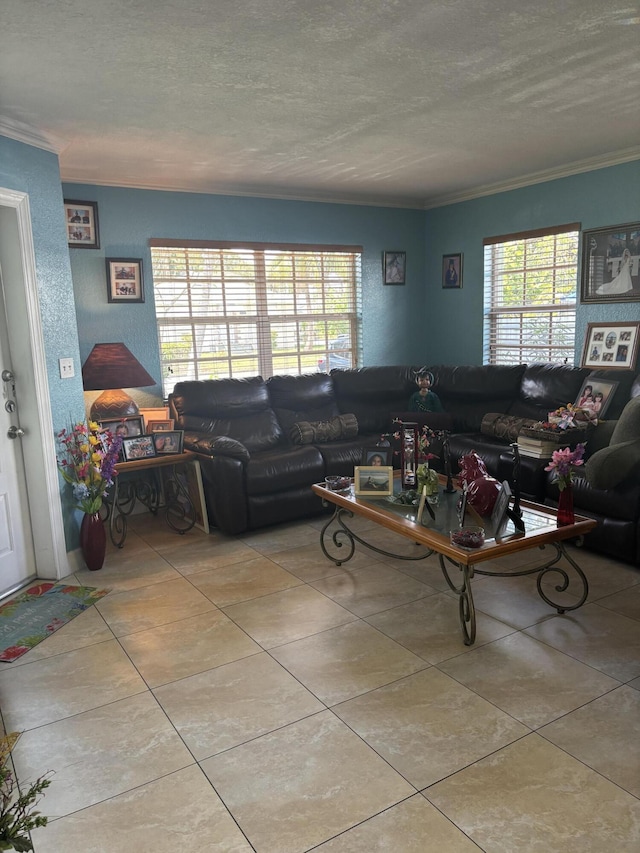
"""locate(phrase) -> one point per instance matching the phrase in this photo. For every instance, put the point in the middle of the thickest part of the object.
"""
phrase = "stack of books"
(539, 448)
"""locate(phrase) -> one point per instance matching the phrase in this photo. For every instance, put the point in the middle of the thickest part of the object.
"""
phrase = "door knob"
(15, 432)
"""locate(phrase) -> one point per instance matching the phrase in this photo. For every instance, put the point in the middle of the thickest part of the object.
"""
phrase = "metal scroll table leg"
(179, 511)
(466, 607)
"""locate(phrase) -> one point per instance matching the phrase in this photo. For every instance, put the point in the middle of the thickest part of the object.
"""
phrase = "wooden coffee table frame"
(542, 532)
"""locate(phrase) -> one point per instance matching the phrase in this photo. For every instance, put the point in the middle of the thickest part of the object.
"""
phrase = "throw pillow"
(506, 427)
(342, 426)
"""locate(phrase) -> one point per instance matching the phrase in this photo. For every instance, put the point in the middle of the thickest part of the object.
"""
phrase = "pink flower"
(563, 463)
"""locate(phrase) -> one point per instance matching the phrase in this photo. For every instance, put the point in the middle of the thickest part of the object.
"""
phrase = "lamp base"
(112, 405)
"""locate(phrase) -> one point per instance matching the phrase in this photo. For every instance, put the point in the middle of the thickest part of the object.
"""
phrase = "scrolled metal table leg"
(551, 566)
(337, 536)
(179, 512)
(466, 607)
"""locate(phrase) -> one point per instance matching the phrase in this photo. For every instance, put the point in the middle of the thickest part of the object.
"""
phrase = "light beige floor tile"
(529, 680)
(101, 753)
(430, 627)
(243, 581)
(125, 570)
(184, 648)
(58, 687)
(626, 602)
(280, 537)
(286, 616)
(345, 661)
(309, 563)
(635, 683)
(597, 636)
(428, 726)
(303, 784)
(426, 571)
(372, 589)
(150, 606)
(180, 809)
(531, 797)
(155, 530)
(224, 707)
(86, 629)
(212, 552)
(605, 734)
(604, 575)
(413, 826)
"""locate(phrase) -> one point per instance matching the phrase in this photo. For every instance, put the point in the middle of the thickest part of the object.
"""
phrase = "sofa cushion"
(282, 469)
(308, 397)
(372, 392)
(506, 427)
(342, 426)
(470, 392)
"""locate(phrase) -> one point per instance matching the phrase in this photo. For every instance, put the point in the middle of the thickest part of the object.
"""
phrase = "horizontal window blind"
(232, 311)
(530, 296)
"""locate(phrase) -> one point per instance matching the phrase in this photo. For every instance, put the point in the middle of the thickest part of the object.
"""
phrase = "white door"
(17, 559)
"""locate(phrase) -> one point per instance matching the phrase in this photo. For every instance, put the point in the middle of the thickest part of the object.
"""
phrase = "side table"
(128, 490)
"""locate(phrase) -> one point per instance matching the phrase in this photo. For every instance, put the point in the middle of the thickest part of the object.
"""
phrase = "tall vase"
(93, 540)
(566, 514)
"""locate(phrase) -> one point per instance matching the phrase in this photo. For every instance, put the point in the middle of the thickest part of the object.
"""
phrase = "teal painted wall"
(27, 169)
(455, 317)
(128, 218)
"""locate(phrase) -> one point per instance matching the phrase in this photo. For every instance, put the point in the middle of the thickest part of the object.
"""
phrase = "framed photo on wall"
(81, 220)
(611, 345)
(611, 264)
(394, 267)
(124, 280)
(452, 271)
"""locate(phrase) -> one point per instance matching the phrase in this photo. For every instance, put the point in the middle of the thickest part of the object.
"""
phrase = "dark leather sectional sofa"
(254, 473)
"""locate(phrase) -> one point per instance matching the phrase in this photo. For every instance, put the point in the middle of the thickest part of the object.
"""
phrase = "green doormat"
(33, 615)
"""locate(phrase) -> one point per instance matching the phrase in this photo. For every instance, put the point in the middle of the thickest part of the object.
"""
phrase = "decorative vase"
(566, 514)
(93, 540)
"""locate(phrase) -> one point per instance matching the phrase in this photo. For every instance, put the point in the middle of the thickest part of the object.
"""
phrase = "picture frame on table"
(125, 282)
(160, 426)
(156, 413)
(595, 396)
(126, 427)
(452, 271)
(376, 456)
(168, 442)
(499, 515)
(81, 222)
(138, 447)
(611, 264)
(394, 267)
(611, 345)
(373, 480)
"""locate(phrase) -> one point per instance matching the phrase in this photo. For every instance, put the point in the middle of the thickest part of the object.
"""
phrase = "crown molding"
(615, 158)
(22, 132)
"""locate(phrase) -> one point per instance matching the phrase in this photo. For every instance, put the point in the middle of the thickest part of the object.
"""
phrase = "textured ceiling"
(375, 101)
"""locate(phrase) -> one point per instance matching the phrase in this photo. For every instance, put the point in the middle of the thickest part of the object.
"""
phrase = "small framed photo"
(158, 413)
(140, 447)
(373, 480)
(595, 396)
(376, 456)
(166, 442)
(81, 221)
(124, 280)
(126, 427)
(611, 345)
(394, 267)
(499, 515)
(452, 271)
(160, 426)
(611, 264)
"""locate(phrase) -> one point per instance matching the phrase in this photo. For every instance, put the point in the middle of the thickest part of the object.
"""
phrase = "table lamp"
(110, 368)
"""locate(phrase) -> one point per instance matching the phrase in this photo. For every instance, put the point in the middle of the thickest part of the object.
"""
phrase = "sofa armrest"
(611, 465)
(216, 445)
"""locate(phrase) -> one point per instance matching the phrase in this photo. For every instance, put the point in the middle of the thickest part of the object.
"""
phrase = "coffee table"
(338, 541)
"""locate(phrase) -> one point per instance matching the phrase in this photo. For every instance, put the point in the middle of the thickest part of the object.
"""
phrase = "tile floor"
(247, 695)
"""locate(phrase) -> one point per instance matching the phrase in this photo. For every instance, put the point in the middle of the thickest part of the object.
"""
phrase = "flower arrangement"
(88, 463)
(569, 417)
(16, 819)
(563, 462)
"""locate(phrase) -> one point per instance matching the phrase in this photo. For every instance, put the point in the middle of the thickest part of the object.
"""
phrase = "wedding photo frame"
(611, 264)
(376, 456)
(611, 345)
(452, 271)
(124, 280)
(394, 267)
(81, 220)
(373, 480)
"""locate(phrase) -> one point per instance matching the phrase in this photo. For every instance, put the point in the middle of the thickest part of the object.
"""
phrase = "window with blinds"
(227, 310)
(530, 282)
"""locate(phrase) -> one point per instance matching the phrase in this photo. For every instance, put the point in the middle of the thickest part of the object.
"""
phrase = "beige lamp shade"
(110, 368)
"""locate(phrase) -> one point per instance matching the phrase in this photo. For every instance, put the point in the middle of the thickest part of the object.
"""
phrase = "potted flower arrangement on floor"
(88, 464)
(17, 816)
